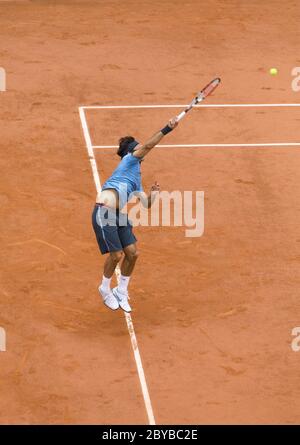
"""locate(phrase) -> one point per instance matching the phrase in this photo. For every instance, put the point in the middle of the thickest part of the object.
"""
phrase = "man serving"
(112, 228)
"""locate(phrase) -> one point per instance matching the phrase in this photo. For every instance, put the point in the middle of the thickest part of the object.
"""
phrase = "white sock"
(123, 284)
(106, 283)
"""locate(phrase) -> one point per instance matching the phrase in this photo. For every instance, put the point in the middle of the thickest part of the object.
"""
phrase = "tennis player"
(112, 228)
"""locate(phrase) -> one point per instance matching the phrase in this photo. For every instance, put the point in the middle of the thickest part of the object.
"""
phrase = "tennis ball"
(273, 71)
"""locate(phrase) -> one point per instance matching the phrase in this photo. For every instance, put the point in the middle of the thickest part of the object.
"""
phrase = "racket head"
(208, 89)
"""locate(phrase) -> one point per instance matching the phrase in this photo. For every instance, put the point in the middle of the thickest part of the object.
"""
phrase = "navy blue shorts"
(112, 229)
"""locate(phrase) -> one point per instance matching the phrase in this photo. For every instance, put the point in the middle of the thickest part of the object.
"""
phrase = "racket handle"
(180, 116)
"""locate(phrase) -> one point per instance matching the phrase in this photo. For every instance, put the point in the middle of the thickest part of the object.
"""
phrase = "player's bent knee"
(132, 256)
(116, 256)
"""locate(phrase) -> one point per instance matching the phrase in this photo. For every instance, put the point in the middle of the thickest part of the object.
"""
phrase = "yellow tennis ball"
(273, 71)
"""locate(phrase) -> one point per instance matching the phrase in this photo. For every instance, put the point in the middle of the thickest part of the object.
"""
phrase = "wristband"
(166, 130)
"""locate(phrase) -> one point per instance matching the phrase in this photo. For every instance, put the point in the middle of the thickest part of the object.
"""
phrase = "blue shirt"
(126, 178)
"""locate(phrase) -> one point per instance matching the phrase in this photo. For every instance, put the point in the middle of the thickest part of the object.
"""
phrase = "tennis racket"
(210, 87)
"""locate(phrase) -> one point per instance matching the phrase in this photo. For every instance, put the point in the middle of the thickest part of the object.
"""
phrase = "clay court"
(212, 315)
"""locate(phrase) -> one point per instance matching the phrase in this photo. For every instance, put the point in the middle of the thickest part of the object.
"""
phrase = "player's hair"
(123, 145)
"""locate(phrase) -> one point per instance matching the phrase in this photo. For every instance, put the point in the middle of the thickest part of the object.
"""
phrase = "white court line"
(267, 144)
(125, 107)
(128, 318)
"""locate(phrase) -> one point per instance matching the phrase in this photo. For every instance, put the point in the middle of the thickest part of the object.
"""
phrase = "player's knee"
(132, 256)
(116, 256)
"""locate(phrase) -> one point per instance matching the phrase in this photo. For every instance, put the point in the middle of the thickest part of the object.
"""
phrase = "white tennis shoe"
(122, 299)
(109, 299)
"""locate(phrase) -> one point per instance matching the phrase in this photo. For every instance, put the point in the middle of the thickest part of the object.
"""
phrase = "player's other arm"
(143, 149)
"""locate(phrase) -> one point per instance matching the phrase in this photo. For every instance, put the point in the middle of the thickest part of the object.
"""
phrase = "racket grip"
(180, 116)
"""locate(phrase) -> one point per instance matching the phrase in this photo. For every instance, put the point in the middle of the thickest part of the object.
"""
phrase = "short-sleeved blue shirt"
(126, 178)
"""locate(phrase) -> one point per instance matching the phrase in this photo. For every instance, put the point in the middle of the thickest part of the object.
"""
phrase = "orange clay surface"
(213, 315)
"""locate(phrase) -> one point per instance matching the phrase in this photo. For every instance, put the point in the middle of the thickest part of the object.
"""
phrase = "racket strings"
(209, 88)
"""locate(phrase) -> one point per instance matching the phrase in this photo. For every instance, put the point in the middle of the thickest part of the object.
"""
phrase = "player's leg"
(127, 266)
(128, 241)
(108, 242)
(130, 256)
(111, 263)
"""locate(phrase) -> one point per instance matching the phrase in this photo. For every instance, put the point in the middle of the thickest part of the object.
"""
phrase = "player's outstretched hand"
(173, 122)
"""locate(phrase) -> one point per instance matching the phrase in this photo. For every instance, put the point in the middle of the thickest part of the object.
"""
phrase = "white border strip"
(128, 318)
(267, 144)
(125, 107)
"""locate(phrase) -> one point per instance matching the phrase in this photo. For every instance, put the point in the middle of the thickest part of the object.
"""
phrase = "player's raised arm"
(143, 149)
